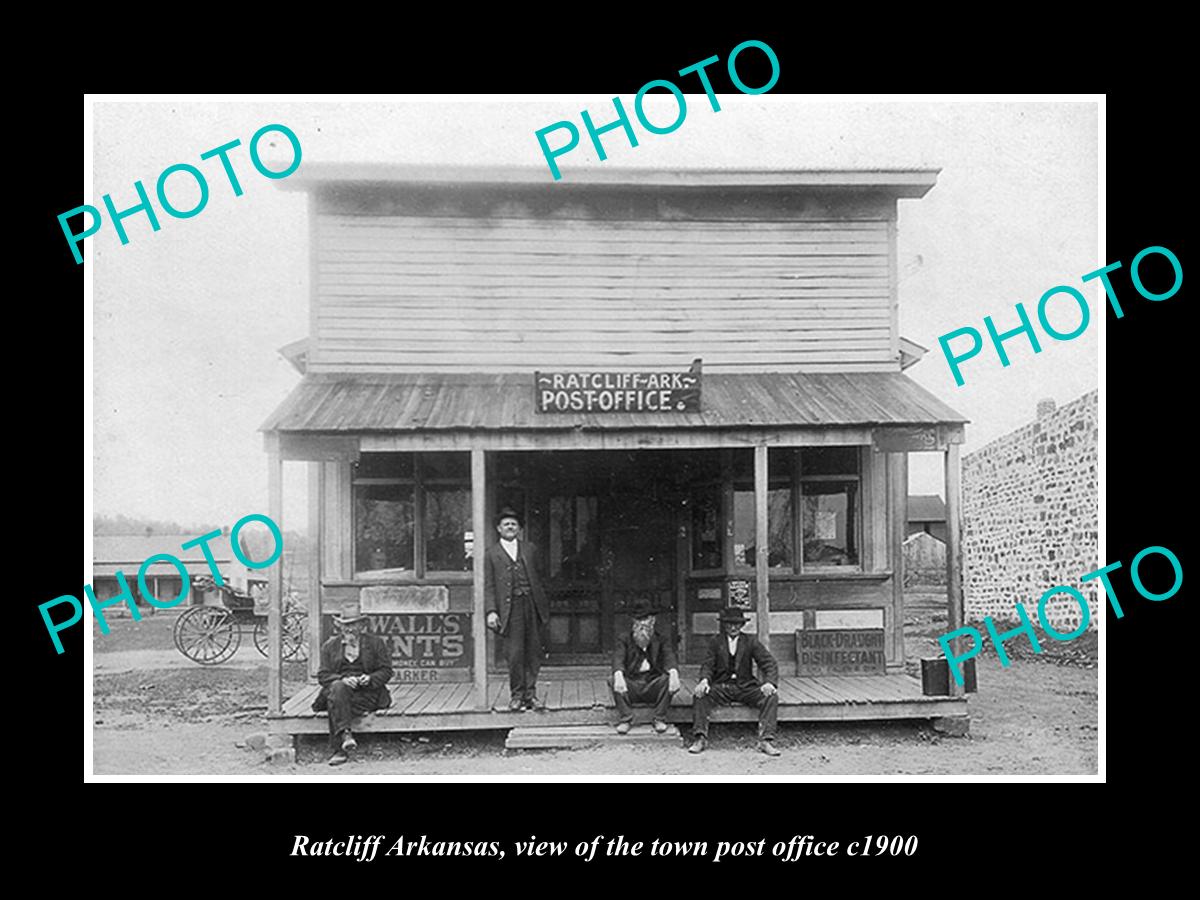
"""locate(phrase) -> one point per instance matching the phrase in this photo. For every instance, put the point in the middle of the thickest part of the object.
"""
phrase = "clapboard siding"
(461, 293)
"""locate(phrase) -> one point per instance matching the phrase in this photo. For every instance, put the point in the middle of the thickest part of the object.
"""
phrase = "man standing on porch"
(727, 677)
(644, 669)
(517, 609)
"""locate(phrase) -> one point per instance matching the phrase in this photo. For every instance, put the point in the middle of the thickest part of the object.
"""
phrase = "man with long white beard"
(355, 669)
(645, 670)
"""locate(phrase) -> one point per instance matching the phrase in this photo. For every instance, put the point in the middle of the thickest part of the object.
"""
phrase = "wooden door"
(640, 550)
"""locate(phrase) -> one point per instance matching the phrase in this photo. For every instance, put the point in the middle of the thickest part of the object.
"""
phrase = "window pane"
(706, 528)
(829, 461)
(446, 465)
(447, 529)
(779, 527)
(383, 522)
(828, 511)
(384, 465)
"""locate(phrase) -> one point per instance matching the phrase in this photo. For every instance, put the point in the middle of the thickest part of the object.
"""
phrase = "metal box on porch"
(935, 676)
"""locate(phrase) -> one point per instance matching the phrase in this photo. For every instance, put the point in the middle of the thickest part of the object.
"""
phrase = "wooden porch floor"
(586, 701)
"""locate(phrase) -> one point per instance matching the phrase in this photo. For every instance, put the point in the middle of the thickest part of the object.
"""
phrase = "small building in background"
(125, 553)
(926, 513)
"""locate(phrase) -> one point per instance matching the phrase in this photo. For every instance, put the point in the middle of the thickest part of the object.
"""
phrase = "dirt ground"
(155, 713)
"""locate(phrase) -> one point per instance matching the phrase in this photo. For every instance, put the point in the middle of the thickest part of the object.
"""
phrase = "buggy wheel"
(207, 635)
(294, 635)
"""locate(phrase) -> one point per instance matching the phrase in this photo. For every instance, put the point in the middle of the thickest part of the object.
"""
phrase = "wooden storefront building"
(689, 382)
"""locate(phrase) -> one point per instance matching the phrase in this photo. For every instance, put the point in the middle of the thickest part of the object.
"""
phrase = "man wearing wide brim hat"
(517, 608)
(355, 669)
(727, 676)
(645, 670)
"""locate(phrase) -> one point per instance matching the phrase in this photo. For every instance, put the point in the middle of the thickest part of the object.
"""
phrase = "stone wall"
(1030, 516)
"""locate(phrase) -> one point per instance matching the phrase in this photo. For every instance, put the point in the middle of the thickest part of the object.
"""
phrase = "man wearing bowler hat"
(727, 677)
(644, 669)
(355, 669)
(517, 608)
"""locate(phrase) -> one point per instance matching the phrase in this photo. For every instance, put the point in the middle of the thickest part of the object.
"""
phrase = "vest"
(518, 576)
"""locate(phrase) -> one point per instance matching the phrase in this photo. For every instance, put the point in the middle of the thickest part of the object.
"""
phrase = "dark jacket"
(718, 665)
(627, 656)
(376, 659)
(497, 587)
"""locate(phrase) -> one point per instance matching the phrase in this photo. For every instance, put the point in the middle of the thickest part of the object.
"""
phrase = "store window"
(830, 514)
(384, 533)
(395, 491)
(780, 511)
(813, 492)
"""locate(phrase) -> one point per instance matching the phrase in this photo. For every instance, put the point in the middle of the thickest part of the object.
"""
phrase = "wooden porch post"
(897, 464)
(275, 612)
(316, 535)
(478, 618)
(954, 598)
(761, 548)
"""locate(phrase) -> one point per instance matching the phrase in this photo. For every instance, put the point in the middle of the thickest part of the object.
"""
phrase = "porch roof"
(380, 403)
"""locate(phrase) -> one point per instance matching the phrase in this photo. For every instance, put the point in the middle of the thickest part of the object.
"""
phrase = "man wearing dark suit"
(354, 672)
(517, 609)
(727, 677)
(644, 669)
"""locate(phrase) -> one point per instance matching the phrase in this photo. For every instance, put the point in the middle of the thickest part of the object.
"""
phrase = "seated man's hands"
(493, 621)
(701, 688)
(673, 681)
(619, 685)
(769, 689)
(351, 681)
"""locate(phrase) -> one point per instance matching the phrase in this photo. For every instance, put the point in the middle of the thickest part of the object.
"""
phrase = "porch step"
(575, 736)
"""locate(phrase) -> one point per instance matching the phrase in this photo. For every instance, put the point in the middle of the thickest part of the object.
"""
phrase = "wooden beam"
(762, 538)
(683, 552)
(316, 535)
(313, 447)
(954, 598)
(897, 526)
(571, 439)
(893, 287)
(478, 544)
(275, 611)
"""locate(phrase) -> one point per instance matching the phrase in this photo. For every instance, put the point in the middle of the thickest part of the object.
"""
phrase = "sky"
(187, 321)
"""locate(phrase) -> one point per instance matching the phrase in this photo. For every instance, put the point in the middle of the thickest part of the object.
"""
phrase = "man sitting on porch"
(644, 669)
(355, 669)
(727, 677)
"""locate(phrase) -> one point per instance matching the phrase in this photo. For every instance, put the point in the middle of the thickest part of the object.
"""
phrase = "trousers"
(523, 646)
(344, 703)
(644, 691)
(750, 695)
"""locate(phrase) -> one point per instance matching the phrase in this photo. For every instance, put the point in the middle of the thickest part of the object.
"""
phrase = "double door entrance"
(605, 525)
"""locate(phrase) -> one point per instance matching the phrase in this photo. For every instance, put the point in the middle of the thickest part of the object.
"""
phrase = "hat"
(732, 614)
(340, 619)
(642, 608)
(508, 513)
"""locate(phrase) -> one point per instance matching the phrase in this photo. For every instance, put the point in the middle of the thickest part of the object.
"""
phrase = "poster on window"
(739, 594)
(827, 525)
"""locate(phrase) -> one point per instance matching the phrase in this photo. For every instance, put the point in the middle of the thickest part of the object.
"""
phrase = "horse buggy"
(211, 632)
